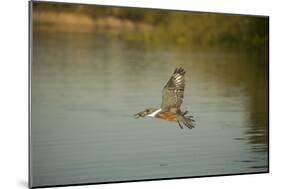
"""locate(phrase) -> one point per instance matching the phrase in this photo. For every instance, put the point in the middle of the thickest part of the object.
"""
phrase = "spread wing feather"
(173, 92)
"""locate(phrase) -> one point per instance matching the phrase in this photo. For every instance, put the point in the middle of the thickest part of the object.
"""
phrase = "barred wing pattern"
(173, 92)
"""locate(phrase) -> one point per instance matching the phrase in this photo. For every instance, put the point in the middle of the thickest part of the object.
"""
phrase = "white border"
(14, 92)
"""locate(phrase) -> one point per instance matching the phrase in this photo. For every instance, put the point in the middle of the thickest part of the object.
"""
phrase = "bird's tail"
(186, 120)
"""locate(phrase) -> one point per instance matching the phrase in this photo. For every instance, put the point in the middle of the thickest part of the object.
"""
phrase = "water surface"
(85, 89)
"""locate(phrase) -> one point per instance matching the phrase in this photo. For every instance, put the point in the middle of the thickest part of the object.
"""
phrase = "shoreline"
(75, 22)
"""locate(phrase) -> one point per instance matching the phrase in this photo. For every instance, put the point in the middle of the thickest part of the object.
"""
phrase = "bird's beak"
(140, 114)
(136, 115)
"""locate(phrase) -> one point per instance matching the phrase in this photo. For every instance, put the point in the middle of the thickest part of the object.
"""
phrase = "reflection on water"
(85, 89)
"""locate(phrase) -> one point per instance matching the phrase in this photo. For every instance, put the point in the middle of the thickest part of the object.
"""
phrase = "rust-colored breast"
(167, 116)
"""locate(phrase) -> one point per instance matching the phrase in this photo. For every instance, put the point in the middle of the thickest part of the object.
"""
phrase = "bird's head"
(145, 112)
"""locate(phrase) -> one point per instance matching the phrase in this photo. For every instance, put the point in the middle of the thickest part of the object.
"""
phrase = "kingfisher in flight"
(172, 98)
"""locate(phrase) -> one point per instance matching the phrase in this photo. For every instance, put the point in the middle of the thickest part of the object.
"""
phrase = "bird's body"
(167, 116)
(172, 98)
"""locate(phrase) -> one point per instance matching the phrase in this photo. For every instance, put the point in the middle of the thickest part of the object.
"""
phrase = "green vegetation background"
(182, 28)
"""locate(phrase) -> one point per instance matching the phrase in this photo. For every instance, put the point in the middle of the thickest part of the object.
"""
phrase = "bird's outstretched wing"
(172, 94)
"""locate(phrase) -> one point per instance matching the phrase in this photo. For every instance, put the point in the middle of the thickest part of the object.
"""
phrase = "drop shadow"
(23, 183)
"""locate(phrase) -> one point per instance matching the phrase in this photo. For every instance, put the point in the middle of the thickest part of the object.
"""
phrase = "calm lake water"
(86, 88)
